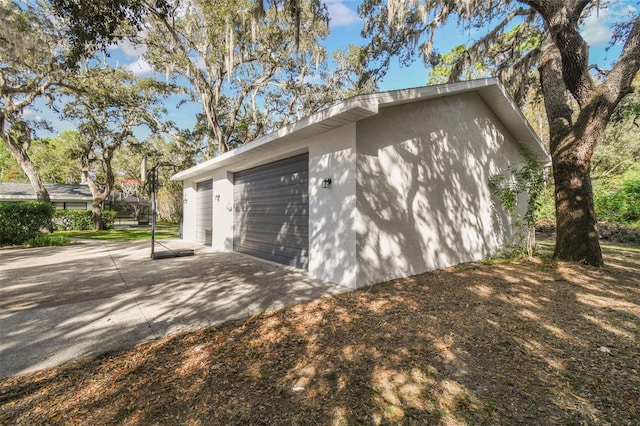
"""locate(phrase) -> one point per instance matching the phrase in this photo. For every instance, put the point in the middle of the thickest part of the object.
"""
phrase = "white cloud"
(199, 62)
(597, 26)
(31, 114)
(130, 49)
(139, 67)
(340, 15)
(131, 55)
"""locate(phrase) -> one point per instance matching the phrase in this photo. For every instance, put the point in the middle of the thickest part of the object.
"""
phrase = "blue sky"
(345, 26)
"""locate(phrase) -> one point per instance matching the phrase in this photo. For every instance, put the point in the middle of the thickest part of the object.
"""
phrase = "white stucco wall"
(189, 210)
(222, 234)
(423, 201)
(332, 242)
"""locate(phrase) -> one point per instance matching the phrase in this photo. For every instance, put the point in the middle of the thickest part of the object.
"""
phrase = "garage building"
(377, 187)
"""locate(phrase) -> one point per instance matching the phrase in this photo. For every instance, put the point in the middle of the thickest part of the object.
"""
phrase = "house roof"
(15, 191)
(362, 106)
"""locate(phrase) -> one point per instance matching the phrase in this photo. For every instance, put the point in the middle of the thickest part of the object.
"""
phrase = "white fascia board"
(17, 197)
(512, 117)
(349, 111)
(363, 106)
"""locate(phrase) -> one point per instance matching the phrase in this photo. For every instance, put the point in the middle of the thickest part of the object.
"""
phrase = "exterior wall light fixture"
(326, 183)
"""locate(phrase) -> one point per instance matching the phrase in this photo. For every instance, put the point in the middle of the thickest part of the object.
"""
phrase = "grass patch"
(48, 240)
(142, 233)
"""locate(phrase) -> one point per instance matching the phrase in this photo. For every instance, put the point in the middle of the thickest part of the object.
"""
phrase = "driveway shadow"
(61, 303)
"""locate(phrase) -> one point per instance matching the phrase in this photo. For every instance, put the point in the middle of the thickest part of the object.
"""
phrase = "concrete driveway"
(60, 303)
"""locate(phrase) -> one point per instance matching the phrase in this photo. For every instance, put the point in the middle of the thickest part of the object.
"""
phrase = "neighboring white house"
(377, 187)
(64, 196)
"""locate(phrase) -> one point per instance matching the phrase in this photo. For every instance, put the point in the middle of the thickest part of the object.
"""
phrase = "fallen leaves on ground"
(506, 343)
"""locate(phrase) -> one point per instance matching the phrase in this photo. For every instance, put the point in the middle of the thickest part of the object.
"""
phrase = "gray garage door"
(271, 211)
(204, 211)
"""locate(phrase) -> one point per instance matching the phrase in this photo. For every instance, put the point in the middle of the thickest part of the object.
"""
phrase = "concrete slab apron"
(60, 303)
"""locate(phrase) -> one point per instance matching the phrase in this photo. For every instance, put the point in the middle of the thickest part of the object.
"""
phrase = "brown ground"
(530, 343)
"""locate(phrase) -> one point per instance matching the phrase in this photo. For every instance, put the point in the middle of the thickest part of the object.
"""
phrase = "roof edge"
(366, 105)
(343, 108)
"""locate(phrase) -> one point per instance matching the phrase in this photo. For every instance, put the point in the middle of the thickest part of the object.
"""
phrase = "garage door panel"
(292, 191)
(271, 220)
(272, 182)
(266, 202)
(204, 211)
(271, 211)
(274, 224)
(285, 255)
(289, 211)
(275, 228)
(289, 166)
(283, 260)
(290, 241)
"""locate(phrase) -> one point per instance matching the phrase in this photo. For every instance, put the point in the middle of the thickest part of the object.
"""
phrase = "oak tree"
(578, 103)
(32, 65)
(108, 104)
(243, 64)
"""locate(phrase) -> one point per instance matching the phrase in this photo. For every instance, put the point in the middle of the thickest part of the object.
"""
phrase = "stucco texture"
(423, 200)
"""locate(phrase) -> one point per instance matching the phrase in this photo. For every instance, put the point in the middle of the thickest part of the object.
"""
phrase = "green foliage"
(618, 199)
(508, 49)
(21, 221)
(546, 208)
(57, 159)
(254, 72)
(508, 187)
(108, 218)
(9, 167)
(48, 240)
(619, 148)
(94, 25)
(66, 220)
(80, 220)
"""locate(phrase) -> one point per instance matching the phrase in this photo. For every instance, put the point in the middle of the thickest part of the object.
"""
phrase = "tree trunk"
(98, 197)
(577, 238)
(212, 121)
(29, 169)
(96, 215)
(573, 136)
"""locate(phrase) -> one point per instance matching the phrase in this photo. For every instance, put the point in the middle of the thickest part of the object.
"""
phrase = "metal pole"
(154, 170)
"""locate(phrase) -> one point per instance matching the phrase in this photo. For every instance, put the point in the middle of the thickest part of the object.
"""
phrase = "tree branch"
(619, 79)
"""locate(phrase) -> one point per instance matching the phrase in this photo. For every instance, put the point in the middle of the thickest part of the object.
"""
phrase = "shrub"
(21, 221)
(77, 220)
(48, 240)
(546, 208)
(108, 218)
(619, 200)
(81, 220)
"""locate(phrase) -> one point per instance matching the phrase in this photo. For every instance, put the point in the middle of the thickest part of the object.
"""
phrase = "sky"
(345, 26)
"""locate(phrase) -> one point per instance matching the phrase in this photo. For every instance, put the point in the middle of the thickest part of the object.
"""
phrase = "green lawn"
(544, 247)
(141, 233)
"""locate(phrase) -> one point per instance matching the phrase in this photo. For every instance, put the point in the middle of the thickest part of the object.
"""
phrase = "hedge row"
(80, 220)
(67, 220)
(22, 221)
